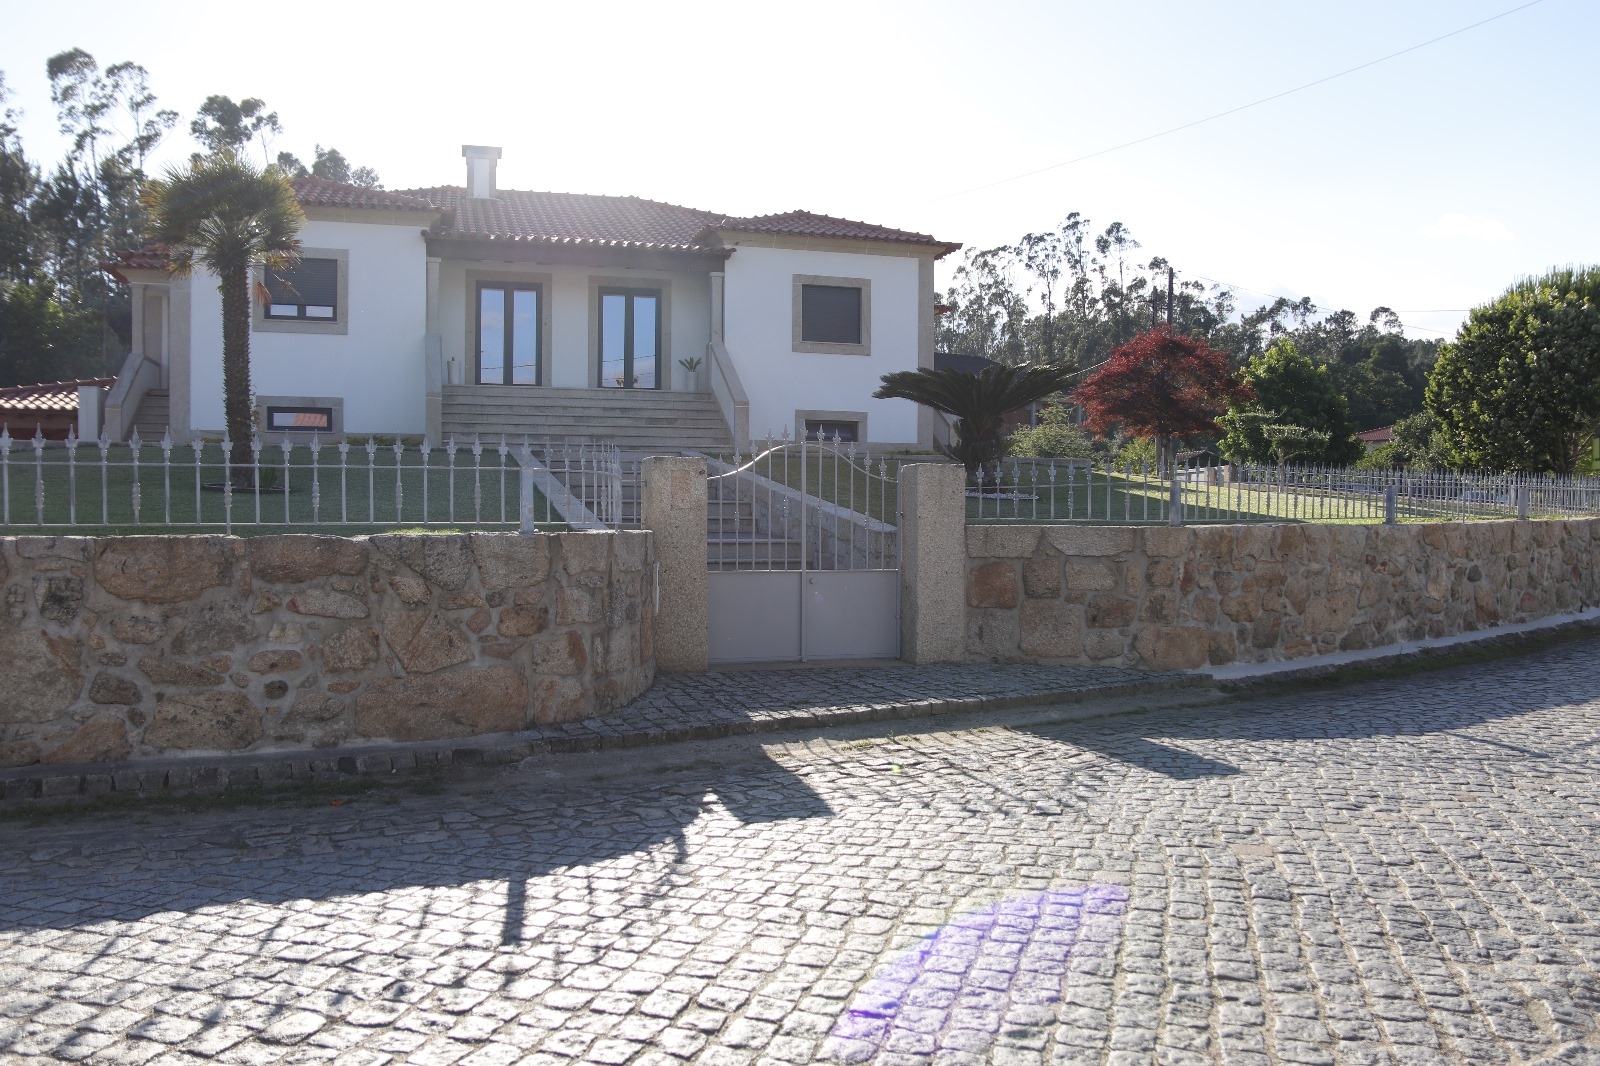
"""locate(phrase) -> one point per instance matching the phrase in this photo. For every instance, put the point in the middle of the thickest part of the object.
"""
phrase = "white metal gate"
(803, 549)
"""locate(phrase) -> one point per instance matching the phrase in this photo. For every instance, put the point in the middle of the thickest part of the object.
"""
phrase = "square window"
(830, 314)
(308, 289)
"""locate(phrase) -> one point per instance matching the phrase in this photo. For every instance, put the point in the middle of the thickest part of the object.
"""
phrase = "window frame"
(508, 286)
(302, 309)
(296, 409)
(630, 292)
(804, 415)
(800, 344)
(821, 432)
(334, 405)
(338, 325)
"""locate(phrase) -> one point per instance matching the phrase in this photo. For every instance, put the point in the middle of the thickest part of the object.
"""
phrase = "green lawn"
(372, 493)
(1029, 494)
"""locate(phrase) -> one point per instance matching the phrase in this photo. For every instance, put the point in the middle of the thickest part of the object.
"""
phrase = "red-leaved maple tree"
(1161, 384)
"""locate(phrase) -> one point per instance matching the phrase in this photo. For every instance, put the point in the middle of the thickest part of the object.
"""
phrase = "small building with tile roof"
(49, 410)
(1372, 439)
(471, 309)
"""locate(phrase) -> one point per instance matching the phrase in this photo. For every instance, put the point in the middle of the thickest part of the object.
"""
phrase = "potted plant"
(691, 375)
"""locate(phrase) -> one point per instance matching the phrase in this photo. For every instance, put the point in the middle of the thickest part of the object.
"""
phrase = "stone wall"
(125, 647)
(1167, 598)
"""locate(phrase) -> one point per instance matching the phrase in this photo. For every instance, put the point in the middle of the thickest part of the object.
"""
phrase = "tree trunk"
(236, 370)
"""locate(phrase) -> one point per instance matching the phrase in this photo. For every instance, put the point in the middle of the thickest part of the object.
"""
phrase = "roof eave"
(940, 249)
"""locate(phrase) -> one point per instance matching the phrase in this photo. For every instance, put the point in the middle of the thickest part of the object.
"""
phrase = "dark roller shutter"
(830, 314)
(310, 282)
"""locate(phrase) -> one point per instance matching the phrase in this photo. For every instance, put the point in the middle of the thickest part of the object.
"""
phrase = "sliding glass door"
(630, 338)
(508, 334)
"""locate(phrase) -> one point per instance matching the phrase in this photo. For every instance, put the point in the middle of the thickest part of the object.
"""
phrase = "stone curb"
(1275, 674)
(277, 769)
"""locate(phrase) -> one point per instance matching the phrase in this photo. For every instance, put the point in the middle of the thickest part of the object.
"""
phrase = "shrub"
(1055, 437)
(1386, 456)
(1135, 451)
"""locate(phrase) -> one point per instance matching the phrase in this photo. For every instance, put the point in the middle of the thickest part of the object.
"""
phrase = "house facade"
(472, 309)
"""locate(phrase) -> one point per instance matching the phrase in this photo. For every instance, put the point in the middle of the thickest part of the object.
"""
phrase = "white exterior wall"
(376, 367)
(759, 333)
(573, 320)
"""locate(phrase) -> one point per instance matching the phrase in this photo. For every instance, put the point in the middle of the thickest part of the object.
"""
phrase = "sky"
(1426, 183)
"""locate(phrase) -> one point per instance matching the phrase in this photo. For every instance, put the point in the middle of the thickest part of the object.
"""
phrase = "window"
(830, 314)
(508, 333)
(313, 296)
(304, 419)
(630, 338)
(833, 430)
(309, 289)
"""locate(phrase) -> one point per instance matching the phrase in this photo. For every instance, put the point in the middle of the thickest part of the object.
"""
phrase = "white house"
(460, 310)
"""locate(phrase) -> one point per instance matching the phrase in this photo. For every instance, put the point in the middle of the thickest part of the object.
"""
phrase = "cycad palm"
(224, 214)
(979, 400)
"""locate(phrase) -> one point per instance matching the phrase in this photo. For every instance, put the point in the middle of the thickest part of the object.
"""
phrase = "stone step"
(582, 399)
(153, 417)
(595, 429)
(753, 551)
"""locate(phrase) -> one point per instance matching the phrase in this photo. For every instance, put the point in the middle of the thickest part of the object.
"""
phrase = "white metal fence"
(802, 505)
(1074, 490)
(312, 484)
(803, 553)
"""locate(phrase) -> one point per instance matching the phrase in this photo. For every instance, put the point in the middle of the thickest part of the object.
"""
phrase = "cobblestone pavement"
(1404, 871)
(677, 707)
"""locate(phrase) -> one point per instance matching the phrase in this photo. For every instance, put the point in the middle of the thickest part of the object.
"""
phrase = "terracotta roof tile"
(578, 218)
(809, 224)
(320, 192)
(150, 257)
(1376, 436)
(571, 219)
(50, 396)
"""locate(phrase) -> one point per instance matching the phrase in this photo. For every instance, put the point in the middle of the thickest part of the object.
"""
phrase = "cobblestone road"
(1405, 871)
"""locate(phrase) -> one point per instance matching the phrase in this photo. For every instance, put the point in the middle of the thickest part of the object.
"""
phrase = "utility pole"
(1169, 297)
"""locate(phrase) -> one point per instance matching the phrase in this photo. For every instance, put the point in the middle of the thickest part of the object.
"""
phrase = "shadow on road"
(276, 854)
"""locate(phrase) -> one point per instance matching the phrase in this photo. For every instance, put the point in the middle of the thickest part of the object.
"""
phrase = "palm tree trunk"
(236, 369)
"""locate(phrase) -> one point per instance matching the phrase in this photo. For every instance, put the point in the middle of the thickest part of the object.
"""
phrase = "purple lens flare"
(956, 989)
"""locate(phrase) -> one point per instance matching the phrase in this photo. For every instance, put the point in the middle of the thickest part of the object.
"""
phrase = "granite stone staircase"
(733, 541)
(154, 415)
(640, 422)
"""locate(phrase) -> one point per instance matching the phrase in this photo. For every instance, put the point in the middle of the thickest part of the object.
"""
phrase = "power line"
(1241, 107)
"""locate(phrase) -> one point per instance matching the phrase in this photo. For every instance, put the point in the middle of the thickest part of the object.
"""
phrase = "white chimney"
(480, 169)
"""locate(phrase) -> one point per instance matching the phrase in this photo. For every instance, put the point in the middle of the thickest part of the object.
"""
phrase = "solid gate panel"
(852, 614)
(753, 615)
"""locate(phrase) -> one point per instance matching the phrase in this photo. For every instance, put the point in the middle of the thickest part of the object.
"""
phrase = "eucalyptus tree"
(223, 125)
(1044, 256)
(331, 164)
(88, 205)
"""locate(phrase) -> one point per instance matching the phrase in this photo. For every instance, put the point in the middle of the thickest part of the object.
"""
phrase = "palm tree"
(979, 401)
(228, 216)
